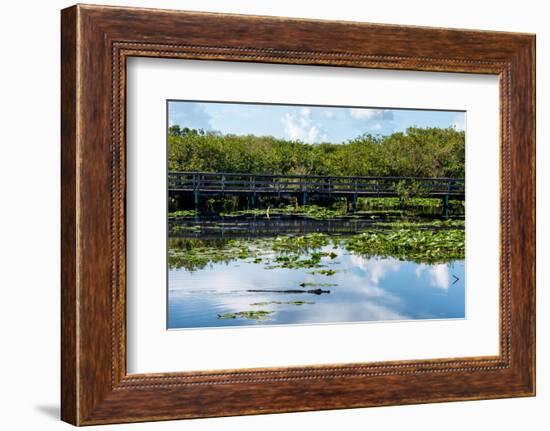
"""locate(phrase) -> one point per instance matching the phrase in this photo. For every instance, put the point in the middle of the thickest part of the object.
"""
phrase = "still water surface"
(362, 289)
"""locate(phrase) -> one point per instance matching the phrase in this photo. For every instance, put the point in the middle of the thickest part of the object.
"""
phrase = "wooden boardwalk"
(304, 186)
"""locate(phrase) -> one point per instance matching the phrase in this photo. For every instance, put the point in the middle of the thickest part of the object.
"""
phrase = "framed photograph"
(265, 214)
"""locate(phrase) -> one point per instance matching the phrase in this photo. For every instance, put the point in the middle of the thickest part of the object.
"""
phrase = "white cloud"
(305, 112)
(300, 126)
(459, 122)
(371, 114)
(376, 126)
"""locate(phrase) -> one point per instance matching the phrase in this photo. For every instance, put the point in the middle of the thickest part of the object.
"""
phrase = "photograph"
(282, 214)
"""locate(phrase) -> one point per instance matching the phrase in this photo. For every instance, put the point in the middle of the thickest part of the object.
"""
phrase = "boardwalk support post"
(446, 206)
(252, 186)
(354, 204)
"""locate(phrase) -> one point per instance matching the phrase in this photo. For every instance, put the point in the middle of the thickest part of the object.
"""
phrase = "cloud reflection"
(376, 268)
(438, 275)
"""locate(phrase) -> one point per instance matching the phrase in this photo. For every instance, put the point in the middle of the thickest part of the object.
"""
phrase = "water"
(363, 289)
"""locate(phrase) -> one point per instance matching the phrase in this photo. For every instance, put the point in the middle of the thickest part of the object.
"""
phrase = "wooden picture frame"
(95, 43)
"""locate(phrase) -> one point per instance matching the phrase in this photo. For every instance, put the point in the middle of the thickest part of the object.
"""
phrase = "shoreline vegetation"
(417, 152)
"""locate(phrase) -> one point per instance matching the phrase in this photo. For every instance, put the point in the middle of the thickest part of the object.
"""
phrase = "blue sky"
(311, 124)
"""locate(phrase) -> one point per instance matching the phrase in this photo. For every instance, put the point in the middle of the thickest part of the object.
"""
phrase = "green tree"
(417, 152)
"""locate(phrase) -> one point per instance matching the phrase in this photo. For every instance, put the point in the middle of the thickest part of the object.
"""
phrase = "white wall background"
(29, 228)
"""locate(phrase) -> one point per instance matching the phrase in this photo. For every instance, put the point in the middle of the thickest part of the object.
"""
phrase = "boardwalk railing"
(204, 183)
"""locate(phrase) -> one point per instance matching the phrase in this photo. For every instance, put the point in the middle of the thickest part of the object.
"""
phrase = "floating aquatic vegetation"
(238, 213)
(244, 253)
(433, 224)
(293, 261)
(182, 213)
(317, 212)
(300, 243)
(426, 242)
(193, 253)
(250, 314)
(309, 211)
(428, 246)
(396, 202)
(327, 272)
(261, 304)
(318, 284)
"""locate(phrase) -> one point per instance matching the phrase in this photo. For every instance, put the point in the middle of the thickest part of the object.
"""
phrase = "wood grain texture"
(96, 41)
(69, 367)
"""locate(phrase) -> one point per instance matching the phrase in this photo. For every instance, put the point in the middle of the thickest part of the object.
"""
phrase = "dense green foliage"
(419, 152)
